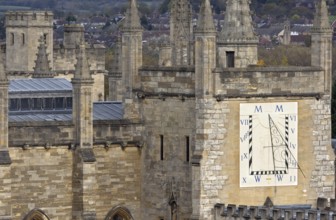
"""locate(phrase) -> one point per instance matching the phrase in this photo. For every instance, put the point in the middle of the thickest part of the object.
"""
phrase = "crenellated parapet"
(298, 212)
(269, 82)
(30, 18)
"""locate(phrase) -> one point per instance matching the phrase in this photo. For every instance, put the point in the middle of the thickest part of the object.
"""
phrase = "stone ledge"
(222, 97)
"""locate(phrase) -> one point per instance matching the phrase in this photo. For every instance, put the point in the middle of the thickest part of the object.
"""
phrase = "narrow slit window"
(161, 147)
(23, 39)
(187, 148)
(12, 38)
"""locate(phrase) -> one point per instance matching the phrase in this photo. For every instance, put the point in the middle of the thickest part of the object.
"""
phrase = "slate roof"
(39, 85)
(101, 111)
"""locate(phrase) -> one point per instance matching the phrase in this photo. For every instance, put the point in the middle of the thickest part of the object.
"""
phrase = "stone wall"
(41, 175)
(55, 133)
(169, 176)
(119, 180)
(65, 58)
(260, 81)
(41, 179)
(168, 80)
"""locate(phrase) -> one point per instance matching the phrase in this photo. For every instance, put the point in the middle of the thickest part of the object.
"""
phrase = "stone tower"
(84, 169)
(73, 35)
(321, 36)
(205, 50)
(181, 34)
(131, 48)
(23, 31)
(42, 68)
(237, 43)
(287, 33)
(5, 160)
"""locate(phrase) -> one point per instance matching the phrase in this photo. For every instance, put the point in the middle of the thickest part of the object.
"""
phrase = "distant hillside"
(77, 7)
(294, 10)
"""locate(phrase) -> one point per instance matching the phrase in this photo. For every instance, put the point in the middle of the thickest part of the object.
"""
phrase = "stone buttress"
(205, 62)
(115, 75)
(131, 53)
(321, 56)
(5, 160)
(84, 165)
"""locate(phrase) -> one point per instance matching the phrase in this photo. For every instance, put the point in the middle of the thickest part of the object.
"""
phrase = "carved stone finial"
(42, 68)
(321, 19)
(238, 23)
(132, 19)
(82, 66)
(205, 21)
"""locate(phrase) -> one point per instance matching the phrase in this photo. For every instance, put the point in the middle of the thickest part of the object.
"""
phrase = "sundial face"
(268, 144)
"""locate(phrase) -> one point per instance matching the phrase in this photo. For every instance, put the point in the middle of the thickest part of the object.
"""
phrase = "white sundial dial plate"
(268, 144)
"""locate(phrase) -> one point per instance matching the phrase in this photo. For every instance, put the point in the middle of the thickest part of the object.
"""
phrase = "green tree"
(71, 18)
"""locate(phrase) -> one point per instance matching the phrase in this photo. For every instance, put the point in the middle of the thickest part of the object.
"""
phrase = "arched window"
(36, 214)
(119, 213)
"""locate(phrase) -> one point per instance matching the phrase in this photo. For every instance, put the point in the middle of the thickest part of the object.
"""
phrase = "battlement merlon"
(223, 212)
(29, 18)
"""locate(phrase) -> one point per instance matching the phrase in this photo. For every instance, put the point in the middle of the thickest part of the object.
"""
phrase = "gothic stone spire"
(180, 20)
(238, 23)
(181, 32)
(42, 68)
(321, 20)
(205, 21)
(132, 19)
(82, 65)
